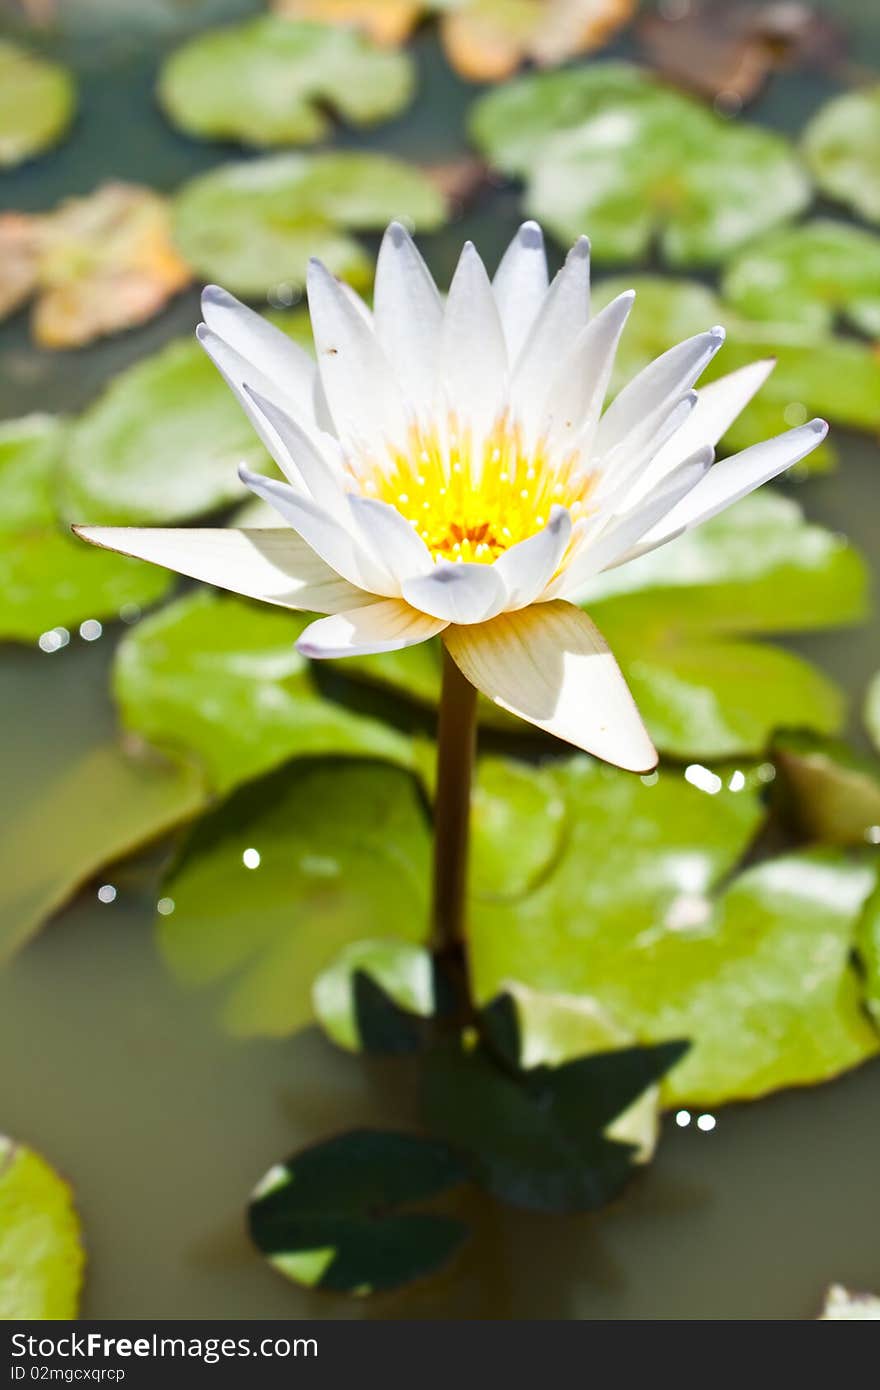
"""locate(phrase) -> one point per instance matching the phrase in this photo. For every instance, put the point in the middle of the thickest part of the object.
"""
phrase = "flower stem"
(456, 746)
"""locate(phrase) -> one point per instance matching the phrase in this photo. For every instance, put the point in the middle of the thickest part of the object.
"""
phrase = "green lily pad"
(271, 81)
(538, 1138)
(339, 1214)
(810, 275)
(254, 225)
(220, 679)
(631, 918)
(815, 373)
(290, 870)
(41, 1251)
(830, 792)
(841, 145)
(404, 974)
(50, 580)
(162, 444)
(37, 102)
(609, 149)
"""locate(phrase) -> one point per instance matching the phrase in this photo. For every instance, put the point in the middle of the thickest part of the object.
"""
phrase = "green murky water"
(162, 1123)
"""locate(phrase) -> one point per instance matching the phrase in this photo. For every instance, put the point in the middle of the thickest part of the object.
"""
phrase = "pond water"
(160, 1121)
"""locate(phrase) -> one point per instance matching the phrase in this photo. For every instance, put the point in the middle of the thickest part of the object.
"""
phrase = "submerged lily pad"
(810, 275)
(646, 934)
(830, 792)
(99, 804)
(49, 579)
(220, 679)
(610, 149)
(37, 102)
(271, 81)
(254, 225)
(97, 264)
(41, 1251)
(841, 145)
(538, 1138)
(815, 374)
(339, 1214)
(289, 871)
(869, 953)
(163, 443)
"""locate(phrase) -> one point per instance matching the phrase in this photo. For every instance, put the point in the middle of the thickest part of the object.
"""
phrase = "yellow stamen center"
(473, 504)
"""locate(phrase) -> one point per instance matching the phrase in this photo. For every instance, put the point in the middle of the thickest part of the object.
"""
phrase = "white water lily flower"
(450, 469)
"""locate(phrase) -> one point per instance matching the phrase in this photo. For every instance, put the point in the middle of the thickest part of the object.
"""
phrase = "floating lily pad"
(339, 1214)
(815, 373)
(644, 932)
(271, 81)
(830, 792)
(97, 264)
(41, 1251)
(162, 444)
(289, 871)
(538, 1138)
(842, 148)
(404, 974)
(843, 1305)
(609, 149)
(254, 225)
(37, 102)
(220, 679)
(810, 275)
(48, 578)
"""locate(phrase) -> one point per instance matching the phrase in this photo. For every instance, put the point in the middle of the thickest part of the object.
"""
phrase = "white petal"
(565, 311)
(458, 593)
(624, 531)
(520, 285)
(578, 393)
(550, 665)
(236, 370)
(390, 536)
(528, 567)
(321, 478)
(273, 565)
(473, 357)
(624, 475)
(379, 627)
(408, 313)
(735, 477)
(655, 390)
(362, 395)
(717, 406)
(325, 533)
(285, 364)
